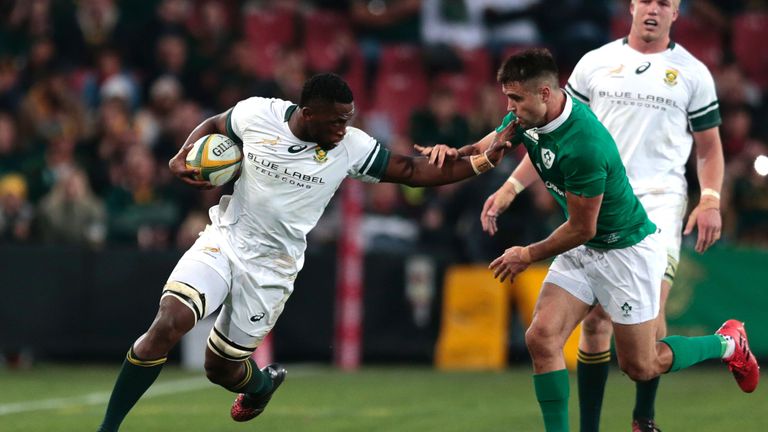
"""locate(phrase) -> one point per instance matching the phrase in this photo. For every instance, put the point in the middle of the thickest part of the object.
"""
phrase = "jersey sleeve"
(578, 83)
(368, 157)
(704, 108)
(239, 117)
(585, 172)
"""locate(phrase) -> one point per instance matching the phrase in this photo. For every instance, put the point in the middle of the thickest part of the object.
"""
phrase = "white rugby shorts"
(251, 298)
(667, 210)
(626, 282)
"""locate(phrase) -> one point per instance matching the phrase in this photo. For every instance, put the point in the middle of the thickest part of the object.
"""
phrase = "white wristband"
(519, 187)
(710, 192)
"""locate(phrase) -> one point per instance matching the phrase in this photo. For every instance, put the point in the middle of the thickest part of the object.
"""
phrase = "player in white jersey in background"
(294, 159)
(655, 99)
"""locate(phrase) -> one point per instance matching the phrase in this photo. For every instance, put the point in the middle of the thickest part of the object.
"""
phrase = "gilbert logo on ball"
(217, 157)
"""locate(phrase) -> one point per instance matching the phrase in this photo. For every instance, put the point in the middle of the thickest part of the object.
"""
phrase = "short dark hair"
(325, 87)
(527, 65)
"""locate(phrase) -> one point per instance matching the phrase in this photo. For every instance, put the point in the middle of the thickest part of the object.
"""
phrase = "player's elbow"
(585, 232)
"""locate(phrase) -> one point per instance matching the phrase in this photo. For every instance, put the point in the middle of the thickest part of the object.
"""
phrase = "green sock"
(687, 351)
(592, 371)
(134, 379)
(552, 390)
(645, 399)
(254, 381)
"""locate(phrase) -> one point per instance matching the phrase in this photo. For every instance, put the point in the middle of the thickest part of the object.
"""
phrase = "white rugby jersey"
(650, 103)
(285, 183)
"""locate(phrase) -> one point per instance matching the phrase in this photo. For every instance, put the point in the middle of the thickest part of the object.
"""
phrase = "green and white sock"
(687, 351)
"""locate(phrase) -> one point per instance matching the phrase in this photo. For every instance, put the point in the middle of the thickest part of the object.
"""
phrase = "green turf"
(372, 400)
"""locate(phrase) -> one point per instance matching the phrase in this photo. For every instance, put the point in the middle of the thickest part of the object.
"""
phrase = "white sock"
(730, 346)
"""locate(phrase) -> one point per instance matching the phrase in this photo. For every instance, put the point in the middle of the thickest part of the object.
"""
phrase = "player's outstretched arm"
(177, 164)
(710, 167)
(523, 176)
(420, 172)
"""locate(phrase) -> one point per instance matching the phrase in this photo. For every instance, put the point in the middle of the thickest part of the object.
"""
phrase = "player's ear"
(545, 92)
(306, 112)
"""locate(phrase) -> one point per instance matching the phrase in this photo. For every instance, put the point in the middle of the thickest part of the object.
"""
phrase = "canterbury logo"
(642, 68)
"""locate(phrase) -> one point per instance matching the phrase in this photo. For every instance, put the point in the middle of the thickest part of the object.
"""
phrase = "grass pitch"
(381, 399)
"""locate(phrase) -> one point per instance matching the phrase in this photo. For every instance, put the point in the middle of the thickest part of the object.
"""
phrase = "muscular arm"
(177, 164)
(215, 124)
(709, 159)
(419, 172)
(710, 166)
(580, 227)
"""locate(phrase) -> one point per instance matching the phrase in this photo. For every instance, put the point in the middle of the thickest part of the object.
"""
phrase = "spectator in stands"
(440, 122)
(10, 85)
(16, 212)
(387, 225)
(47, 165)
(71, 213)
(10, 159)
(490, 107)
(139, 211)
(110, 79)
(165, 95)
(49, 107)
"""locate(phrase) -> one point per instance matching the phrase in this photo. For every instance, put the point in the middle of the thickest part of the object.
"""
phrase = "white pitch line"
(98, 398)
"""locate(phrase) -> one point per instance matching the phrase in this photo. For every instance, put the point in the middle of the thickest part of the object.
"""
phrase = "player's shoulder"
(685, 60)
(356, 136)
(589, 131)
(260, 106)
(604, 53)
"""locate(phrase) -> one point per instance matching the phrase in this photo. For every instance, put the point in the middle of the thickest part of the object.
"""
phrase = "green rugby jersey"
(575, 153)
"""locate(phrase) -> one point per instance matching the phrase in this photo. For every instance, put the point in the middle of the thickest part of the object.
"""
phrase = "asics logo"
(296, 148)
(257, 317)
(642, 68)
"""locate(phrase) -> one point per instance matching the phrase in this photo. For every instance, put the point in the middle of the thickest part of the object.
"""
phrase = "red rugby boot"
(741, 363)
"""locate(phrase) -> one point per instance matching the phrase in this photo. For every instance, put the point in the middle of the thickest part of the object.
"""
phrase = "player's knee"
(168, 328)
(597, 326)
(542, 341)
(638, 371)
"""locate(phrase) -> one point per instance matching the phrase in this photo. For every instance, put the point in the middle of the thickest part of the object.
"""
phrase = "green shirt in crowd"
(575, 153)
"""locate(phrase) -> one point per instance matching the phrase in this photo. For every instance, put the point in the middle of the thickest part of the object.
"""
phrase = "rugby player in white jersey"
(294, 159)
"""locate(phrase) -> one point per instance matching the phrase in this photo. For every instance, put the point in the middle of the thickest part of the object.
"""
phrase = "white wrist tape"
(710, 192)
(519, 187)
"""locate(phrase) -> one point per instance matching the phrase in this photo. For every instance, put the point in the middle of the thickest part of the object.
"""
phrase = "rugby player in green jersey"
(607, 252)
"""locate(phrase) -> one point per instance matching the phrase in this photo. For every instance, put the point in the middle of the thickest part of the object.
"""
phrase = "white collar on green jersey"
(556, 123)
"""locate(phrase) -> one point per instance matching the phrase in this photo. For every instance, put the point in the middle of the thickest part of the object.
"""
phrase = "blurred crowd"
(97, 95)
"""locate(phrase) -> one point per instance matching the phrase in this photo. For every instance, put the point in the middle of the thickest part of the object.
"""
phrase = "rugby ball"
(217, 157)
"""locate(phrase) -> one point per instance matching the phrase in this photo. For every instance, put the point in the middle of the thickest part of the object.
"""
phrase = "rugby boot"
(644, 425)
(741, 363)
(248, 406)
